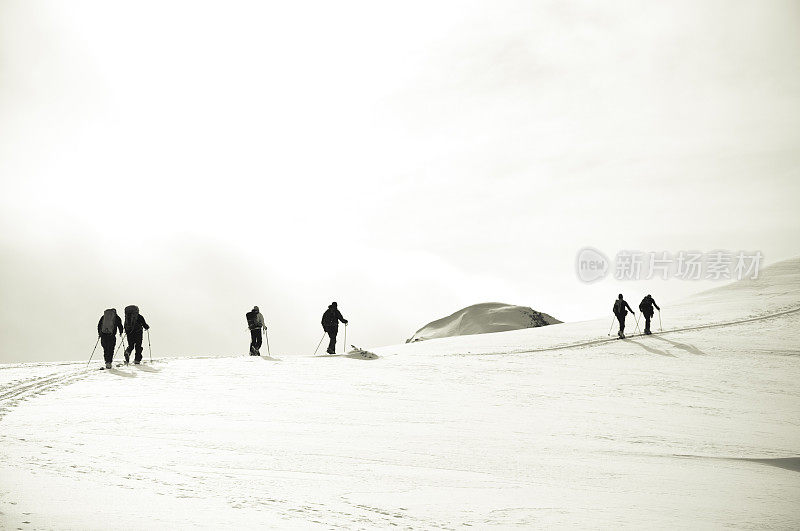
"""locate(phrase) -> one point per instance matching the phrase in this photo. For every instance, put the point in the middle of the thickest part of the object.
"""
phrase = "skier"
(619, 310)
(134, 326)
(107, 326)
(255, 322)
(646, 307)
(330, 323)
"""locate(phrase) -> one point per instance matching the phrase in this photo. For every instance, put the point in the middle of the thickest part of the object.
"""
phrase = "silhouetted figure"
(646, 307)
(330, 323)
(107, 328)
(620, 311)
(134, 328)
(255, 322)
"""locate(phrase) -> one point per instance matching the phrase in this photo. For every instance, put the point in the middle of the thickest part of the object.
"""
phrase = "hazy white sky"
(406, 159)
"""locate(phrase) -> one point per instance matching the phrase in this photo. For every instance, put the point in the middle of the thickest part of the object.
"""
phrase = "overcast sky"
(406, 159)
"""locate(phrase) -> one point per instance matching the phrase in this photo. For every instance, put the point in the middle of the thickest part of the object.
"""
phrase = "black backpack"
(131, 318)
(252, 320)
(109, 322)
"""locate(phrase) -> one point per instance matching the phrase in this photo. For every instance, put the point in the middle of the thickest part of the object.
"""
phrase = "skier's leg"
(253, 342)
(647, 323)
(621, 320)
(108, 342)
(258, 341)
(332, 345)
(139, 348)
(129, 348)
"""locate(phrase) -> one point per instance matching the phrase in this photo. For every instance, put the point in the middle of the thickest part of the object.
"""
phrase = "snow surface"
(483, 318)
(553, 426)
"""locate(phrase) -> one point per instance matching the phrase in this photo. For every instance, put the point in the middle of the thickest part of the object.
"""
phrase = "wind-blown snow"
(483, 319)
(553, 426)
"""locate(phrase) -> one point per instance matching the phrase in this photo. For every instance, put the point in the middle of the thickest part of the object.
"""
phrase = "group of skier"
(621, 307)
(134, 327)
(110, 323)
(330, 324)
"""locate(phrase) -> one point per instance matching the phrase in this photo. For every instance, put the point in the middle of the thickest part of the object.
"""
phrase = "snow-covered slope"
(776, 289)
(556, 426)
(483, 319)
(776, 292)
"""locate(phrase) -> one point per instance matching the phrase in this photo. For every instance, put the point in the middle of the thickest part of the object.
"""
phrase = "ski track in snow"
(167, 480)
(19, 390)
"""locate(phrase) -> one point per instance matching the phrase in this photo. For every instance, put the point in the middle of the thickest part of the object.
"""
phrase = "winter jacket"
(331, 318)
(619, 307)
(140, 324)
(646, 306)
(255, 321)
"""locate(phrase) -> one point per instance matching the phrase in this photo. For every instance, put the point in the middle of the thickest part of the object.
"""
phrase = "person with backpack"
(255, 323)
(134, 326)
(107, 327)
(330, 323)
(646, 307)
(620, 311)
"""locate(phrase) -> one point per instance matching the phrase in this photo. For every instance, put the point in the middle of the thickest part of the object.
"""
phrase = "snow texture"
(557, 426)
(483, 319)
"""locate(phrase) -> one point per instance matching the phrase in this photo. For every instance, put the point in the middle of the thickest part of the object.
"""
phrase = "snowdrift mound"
(361, 354)
(483, 319)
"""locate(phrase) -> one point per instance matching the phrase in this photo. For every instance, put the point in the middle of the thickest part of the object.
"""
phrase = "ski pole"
(612, 325)
(344, 343)
(659, 322)
(637, 323)
(266, 336)
(149, 348)
(95, 348)
(320, 342)
(122, 342)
